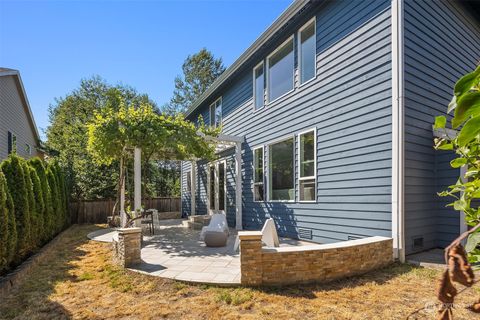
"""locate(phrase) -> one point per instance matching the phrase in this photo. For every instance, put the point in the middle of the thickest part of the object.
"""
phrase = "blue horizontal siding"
(442, 42)
(349, 103)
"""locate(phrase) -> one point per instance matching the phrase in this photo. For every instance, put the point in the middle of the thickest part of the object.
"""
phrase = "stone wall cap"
(250, 235)
(335, 245)
(129, 230)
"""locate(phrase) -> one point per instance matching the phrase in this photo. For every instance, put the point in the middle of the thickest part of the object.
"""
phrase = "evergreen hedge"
(33, 207)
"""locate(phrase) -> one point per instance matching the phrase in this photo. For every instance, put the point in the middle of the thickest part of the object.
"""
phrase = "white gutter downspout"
(398, 115)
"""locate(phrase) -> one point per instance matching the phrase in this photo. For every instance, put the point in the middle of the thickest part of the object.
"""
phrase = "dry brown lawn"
(78, 281)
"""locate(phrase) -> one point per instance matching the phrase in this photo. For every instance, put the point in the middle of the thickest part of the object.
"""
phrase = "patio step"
(195, 225)
(197, 222)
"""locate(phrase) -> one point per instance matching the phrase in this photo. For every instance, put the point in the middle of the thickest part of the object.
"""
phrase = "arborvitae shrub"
(39, 207)
(12, 229)
(48, 210)
(12, 168)
(3, 223)
(32, 206)
(56, 205)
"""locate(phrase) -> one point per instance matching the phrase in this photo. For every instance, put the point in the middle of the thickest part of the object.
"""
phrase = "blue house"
(327, 123)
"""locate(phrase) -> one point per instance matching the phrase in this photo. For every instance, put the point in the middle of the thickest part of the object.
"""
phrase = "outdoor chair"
(269, 235)
(216, 233)
(147, 219)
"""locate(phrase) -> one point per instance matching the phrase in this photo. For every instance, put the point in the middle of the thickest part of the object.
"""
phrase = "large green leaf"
(472, 242)
(469, 131)
(466, 82)
(467, 105)
(440, 122)
(459, 162)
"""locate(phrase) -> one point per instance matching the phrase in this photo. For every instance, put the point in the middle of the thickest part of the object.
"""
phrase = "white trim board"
(398, 115)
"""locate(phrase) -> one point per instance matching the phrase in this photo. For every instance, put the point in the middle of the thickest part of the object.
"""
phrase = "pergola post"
(123, 217)
(137, 173)
(238, 186)
(193, 187)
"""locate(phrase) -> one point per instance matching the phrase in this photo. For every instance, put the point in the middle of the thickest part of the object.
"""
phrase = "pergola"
(223, 142)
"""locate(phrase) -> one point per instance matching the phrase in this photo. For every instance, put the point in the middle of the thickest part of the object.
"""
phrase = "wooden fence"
(96, 211)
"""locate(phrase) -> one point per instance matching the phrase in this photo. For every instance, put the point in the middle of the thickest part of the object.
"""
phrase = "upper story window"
(307, 166)
(280, 70)
(259, 86)
(281, 186)
(258, 190)
(307, 51)
(216, 113)
(12, 142)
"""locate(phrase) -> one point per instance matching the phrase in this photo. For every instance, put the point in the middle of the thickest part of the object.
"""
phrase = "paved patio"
(176, 252)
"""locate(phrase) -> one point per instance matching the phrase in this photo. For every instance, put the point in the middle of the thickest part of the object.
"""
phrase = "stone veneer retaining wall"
(127, 248)
(310, 263)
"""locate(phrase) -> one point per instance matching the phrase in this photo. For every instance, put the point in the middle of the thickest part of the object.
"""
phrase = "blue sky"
(54, 44)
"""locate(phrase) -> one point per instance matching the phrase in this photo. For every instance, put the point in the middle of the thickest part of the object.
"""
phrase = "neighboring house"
(333, 107)
(17, 126)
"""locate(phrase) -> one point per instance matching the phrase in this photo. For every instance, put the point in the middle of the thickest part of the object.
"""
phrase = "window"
(28, 149)
(258, 191)
(12, 142)
(259, 86)
(307, 52)
(212, 187)
(189, 181)
(307, 166)
(216, 113)
(280, 176)
(280, 70)
(221, 186)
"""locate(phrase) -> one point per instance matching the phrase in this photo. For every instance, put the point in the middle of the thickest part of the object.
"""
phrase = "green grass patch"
(233, 296)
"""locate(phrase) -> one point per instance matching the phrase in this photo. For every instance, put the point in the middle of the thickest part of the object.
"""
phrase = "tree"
(466, 144)
(67, 136)
(48, 210)
(114, 133)
(14, 173)
(199, 72)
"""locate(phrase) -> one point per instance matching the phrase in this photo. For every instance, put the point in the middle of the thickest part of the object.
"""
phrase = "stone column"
(251, 268)
(128, 246)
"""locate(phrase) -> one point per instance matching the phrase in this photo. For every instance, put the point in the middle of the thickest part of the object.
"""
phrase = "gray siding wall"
(442, 42)
(349, 103)
(13, 118)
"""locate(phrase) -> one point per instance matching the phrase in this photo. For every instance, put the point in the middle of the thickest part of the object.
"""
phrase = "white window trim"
(267, 72)
(268, 168)
(314, 177)
(213, 115)
(299, 46)
(254, 172)
(28, 149)
(255, 87)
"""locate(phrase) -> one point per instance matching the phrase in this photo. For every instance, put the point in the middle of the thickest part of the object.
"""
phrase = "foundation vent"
(417, 243)
(305, 233)
(352, 237)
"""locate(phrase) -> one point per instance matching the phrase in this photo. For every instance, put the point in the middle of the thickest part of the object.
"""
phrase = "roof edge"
(16, 73)
(289, 13)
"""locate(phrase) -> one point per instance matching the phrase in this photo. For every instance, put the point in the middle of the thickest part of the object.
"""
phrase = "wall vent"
(305, 233)
(352, 237)
(417, 243)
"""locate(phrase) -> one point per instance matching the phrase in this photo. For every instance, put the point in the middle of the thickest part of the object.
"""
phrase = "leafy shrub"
(4, 225)
(56, 205)
(48, 212)
(12, 168)
(38, 227)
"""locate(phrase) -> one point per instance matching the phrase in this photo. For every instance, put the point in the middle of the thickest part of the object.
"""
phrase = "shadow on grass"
(307, 291)
(32, 298)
